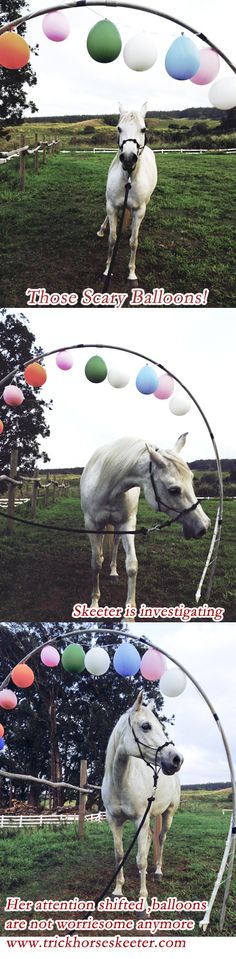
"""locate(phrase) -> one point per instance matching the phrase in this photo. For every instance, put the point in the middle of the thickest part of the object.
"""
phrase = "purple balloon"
(209, 66)
(165, 387)
(50, 656)
(56, 26)
(64, 360)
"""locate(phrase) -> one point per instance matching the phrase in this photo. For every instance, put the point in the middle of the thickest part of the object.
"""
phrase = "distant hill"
(227, 465)
(202, 113)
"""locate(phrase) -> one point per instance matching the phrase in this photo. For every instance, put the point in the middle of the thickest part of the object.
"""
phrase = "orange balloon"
(1, 730)
(22, 675)
(14, 51)
(1, 427)
(35, 374)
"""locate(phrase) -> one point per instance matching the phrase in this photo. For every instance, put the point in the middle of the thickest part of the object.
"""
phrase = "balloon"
(56, 26)
(117, 378)
(97, 661)
(14, 51)
(146, 380)
(182, 59)
(165, 387)
(50, 656)
(2, 743)
(35, 374)
(126, 660)
(153, 664)
(173, 682)
(96, 370)
(223, 93)
(13, 396)
(22, 675)
(209, 66)
(8, 699)
(104, 42)
(179, 404)
(1, 730)
(1, 427)
(73, 658)
(64, 360)
(140, 52)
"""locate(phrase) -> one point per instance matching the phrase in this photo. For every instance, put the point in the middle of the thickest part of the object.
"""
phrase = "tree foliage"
(13, 95)
(24, 425)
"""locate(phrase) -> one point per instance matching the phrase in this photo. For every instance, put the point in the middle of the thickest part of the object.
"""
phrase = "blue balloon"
(182, 59)
(2, 743)
(126, 660)
(147, 380)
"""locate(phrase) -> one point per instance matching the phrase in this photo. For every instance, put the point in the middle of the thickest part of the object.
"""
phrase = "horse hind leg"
(137, 218)
(113, 567)
(144, 841)
(117, 832)
(112, 216)
(103, 227)
(96, 541)
(167, 817)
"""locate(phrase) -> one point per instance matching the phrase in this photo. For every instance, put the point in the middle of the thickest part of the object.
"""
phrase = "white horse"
(136, 740)
(136, 161)
(110, 489)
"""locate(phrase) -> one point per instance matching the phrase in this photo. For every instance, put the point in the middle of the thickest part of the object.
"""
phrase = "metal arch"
(113, 3)
(216, 536)
(230, 845)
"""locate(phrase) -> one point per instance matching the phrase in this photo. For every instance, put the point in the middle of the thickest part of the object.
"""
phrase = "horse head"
(131, 137)
(171, 490)
(144, 739)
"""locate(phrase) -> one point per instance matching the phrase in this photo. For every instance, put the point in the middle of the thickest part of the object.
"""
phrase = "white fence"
(21, 821)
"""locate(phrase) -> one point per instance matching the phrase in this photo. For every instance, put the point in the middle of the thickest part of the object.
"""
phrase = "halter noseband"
(157, 749)
(133, 140)
(160, 502)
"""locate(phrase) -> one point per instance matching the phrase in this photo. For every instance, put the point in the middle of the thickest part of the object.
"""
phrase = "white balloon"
(140, 52)
(97, 661)
(173, 682)
(223, 93)
(179, 404)
(117, 378)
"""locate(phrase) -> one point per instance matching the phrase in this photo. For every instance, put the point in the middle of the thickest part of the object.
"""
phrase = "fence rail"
(25, 150)
(29, 491)
(54, 819)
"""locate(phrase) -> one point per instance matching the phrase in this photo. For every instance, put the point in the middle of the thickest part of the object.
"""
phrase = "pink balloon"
(8, 699)
(209, 66)
(13, 396)
(153, 665)
(64, 360)
(165, 387)
(56, 26)
(50, 656)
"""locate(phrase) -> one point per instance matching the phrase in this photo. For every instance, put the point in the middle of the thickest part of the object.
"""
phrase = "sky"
(70, 82)
(85, 415)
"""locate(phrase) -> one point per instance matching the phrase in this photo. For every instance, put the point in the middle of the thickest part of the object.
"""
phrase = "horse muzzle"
(128, 161)
(172, 765)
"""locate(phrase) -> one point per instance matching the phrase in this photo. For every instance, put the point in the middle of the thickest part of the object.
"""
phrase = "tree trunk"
(56, 771)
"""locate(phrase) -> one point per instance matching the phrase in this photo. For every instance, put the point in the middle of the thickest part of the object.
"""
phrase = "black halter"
(157, 749)
(160, 502)
(132, 140)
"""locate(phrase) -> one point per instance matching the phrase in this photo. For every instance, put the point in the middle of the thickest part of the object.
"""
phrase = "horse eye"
(146, 727)
(175, 490)
(119, 129)
(143, 130)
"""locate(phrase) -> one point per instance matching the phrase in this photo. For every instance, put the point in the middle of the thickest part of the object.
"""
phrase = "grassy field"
(59, 866)
(187, 240)
(43, 574)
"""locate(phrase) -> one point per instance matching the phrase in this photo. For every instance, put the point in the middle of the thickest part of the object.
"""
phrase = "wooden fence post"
(12, 489)
(34, 495)
(22, 164)
(36, 155)
(82, 796)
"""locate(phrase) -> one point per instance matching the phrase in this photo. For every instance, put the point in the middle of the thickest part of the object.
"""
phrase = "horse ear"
(143, 110)
(121, 109)
(180, 443)
(155, 456)
(138, 702)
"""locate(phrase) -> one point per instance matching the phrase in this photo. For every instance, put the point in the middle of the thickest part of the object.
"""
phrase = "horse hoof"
(132, 284)
(114, 577)
(100, 233)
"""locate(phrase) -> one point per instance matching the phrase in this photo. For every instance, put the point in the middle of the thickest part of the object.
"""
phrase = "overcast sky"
(197, 347)
(70, 82)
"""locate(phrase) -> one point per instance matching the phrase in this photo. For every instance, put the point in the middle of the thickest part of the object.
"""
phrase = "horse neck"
(129, 468)
(117, 760)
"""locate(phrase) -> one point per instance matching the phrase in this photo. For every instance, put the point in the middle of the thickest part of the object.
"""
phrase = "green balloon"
(96, 369)
(104, 42)
(73, 658)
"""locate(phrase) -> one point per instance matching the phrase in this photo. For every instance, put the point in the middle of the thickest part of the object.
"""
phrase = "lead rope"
(108, 275)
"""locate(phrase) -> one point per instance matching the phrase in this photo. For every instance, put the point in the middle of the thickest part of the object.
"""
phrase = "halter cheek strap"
(157, 749)
(160, 503)
(132, 140)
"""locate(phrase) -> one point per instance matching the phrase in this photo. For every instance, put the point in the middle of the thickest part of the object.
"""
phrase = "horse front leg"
(117, 832)
(102, 230)
(112, 216)
(113, 567)
(96, 540)
(144, 840)
(131, 563)
(137, 218)
(167, 817)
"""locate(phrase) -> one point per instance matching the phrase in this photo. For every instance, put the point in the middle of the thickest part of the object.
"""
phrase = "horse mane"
(120, 457)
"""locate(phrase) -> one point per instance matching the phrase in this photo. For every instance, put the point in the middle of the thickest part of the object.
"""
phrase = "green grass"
(187, 240)
(43, 574)
(59, 866)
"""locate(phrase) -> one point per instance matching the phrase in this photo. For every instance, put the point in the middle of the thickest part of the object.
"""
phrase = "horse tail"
(156, 833)
(108, 541)
(126, 221)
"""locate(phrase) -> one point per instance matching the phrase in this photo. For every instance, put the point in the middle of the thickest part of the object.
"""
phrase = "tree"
(13, 96)
(25, 424)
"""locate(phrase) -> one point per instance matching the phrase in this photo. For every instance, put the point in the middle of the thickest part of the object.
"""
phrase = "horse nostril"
(177, 760)
(202, 532)
(121, 157)
(133, 158)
